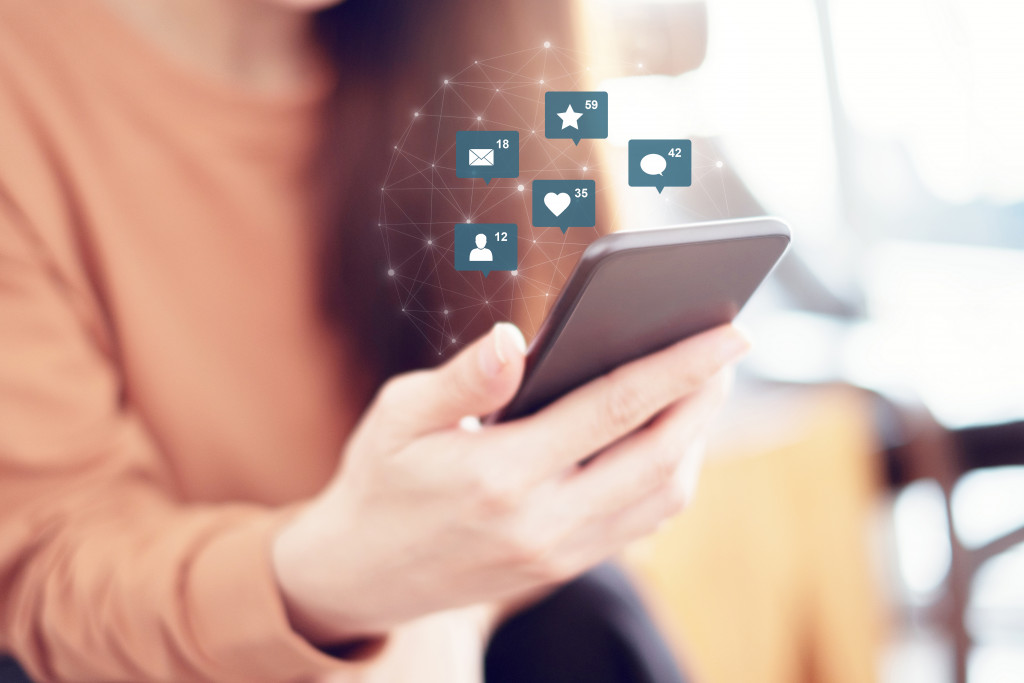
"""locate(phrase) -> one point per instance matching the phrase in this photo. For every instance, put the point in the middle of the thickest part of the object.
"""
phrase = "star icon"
(570, 118)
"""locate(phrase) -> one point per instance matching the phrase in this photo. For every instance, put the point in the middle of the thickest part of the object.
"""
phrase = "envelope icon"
(481, 157)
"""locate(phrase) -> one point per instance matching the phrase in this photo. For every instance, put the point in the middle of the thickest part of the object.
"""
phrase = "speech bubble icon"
(660, 163)
(561, 203)
(574, 115)
(485, 247)
(487, 154)
(653, 164)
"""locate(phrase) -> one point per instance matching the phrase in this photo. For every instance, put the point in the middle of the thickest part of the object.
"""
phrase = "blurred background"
(861, 516)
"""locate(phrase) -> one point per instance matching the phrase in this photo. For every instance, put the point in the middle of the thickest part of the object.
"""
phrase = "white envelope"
(481, 157)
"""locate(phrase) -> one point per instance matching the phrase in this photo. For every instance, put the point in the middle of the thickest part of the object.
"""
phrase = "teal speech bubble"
(485, 247)
(660, 163)
(563, 203)
(487, 154)
(575, 114)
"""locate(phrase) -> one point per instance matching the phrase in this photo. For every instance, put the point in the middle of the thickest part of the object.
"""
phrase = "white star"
(570, 118)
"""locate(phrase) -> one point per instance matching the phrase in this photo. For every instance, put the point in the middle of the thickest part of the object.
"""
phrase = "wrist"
(304, 557)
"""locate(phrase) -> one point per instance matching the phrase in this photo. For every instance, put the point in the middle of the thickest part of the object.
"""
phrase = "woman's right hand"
(426, 515)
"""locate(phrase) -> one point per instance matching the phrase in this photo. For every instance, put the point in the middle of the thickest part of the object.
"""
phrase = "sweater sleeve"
(105, 573)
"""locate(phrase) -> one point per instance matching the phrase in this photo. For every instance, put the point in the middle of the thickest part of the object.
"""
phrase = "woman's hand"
(425, 515)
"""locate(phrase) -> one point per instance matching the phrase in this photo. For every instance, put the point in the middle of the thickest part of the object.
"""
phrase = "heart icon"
(557, 203)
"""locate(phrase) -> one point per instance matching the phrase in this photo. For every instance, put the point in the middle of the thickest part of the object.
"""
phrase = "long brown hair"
(390, 55)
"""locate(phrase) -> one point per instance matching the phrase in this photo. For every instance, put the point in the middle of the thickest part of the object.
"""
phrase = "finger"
(607, 535)
(594, 531)
(480, 379)
(672, 498)
(646, 516)
(608, 408)
(642, 463)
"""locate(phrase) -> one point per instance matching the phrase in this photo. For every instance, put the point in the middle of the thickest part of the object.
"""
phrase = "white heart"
(557, 203)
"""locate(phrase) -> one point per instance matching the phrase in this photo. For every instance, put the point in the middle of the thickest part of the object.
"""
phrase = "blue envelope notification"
(575, 114)
(562, 203)
(486, 247)
(660, 163)
(487, 154)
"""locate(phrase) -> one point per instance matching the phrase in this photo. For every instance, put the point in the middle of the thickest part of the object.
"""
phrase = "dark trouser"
(10, 672)
(592, 630)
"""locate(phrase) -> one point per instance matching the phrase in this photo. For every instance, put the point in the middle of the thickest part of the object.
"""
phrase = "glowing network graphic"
(422, 199)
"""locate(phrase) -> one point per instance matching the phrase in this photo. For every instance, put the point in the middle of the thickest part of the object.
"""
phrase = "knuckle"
(694, 375)
(702, 369)
(523, 546)
(391, 392)
(463, 382)
(625, 405)
(663, 463)
(496, 494)
(535, 555)
(548, 567)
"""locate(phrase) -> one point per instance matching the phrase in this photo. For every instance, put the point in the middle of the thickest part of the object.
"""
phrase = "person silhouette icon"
(481, 253)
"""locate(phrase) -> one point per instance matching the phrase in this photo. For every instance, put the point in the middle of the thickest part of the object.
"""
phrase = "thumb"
(480, 379)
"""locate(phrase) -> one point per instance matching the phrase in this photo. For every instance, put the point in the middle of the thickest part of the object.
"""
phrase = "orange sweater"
(166, 384)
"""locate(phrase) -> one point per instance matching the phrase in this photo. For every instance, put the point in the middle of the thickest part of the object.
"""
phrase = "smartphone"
(633, 293)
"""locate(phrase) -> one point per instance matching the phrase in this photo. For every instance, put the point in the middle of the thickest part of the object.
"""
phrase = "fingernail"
(506, 340)
(510, 340)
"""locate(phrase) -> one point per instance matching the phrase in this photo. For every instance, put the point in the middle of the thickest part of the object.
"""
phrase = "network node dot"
(718, 164)
(443, 109)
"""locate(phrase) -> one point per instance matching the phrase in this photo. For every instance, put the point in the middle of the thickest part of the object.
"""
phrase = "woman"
(195, 483)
